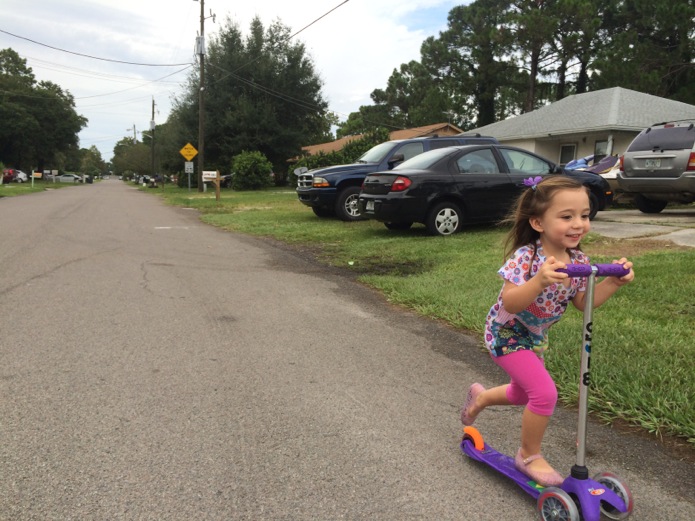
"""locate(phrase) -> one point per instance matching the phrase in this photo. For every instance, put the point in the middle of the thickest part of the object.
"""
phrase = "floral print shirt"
(507, 332)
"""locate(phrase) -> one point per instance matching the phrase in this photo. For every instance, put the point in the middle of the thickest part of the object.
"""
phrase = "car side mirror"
(557, 169)
(397, 158)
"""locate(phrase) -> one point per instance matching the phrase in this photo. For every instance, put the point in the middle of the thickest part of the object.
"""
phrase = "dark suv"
(334, 190)
(659, 166)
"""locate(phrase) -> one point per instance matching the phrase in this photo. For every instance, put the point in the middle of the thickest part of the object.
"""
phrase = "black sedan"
(449, 187)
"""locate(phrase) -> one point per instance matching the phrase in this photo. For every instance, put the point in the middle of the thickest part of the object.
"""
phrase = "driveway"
(676, 225)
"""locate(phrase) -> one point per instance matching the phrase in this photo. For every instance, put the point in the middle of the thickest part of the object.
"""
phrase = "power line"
(95, 57)
(137, 86)
(74, 71)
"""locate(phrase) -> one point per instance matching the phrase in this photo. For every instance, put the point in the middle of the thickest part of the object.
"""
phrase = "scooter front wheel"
(554, 504)
(617, 485)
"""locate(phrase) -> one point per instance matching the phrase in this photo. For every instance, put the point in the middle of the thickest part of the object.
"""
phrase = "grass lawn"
(14, 189)
(642, 361)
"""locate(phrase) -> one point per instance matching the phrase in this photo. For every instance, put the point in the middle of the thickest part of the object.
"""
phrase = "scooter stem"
(579, 471)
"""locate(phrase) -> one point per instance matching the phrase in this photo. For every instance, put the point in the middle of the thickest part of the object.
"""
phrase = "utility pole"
(200, 49)
(152, 126)
(201, 97)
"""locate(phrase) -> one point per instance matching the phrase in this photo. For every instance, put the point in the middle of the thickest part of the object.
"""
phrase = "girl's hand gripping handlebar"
(602, 270)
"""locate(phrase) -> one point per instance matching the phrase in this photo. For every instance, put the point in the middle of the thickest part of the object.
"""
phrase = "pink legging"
(531, 383)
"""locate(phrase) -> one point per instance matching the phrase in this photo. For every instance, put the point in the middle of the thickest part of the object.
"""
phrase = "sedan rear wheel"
(444, 219)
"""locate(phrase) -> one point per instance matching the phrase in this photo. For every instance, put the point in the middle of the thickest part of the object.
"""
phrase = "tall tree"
(652, 48)
(476, 59)
(262, 94)
(534, 23)
(367, 119)
(413, 97)
(131, 157)
(45, 125)
(91, 161)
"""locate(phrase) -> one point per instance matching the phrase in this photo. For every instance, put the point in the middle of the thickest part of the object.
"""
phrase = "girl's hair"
(533, 203)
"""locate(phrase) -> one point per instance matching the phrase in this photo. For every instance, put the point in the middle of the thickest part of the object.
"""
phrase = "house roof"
(331, 146)
(602, 110)
(445, 129)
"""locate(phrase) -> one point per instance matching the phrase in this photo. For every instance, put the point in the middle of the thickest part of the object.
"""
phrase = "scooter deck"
(588, 492)
(503, 464)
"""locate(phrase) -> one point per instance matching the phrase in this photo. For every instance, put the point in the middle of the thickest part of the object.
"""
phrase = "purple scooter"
(579, 497)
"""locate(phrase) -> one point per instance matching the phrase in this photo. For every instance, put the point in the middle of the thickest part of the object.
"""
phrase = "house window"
(600, 150)
(567, 153)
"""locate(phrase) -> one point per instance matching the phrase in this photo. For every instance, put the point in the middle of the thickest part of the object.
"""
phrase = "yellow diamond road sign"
(189, 151)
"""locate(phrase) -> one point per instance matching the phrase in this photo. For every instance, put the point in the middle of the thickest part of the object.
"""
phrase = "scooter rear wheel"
(473, 434)
(554, 504)
(617, 485)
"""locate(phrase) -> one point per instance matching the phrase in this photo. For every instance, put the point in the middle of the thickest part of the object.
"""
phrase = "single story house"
(598, 123)
(438, 129)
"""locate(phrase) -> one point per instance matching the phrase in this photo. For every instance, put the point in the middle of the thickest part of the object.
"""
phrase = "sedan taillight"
(400, 184)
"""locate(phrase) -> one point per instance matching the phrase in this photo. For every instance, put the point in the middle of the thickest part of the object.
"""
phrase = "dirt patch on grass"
(617, 248)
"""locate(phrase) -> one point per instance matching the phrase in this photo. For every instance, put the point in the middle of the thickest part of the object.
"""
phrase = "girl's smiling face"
(565, 221)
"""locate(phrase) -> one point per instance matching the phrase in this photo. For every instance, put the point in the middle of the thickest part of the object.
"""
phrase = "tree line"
(39, 125)
(494, 59)
(499, 58)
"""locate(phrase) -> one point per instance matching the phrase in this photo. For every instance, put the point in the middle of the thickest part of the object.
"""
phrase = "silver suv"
(659, 166)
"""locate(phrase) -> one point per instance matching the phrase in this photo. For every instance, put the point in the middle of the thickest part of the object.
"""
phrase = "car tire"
(646, 205)
(593, 205)
(322, 211)
(398, 226)
(444, 219)
(346, 207)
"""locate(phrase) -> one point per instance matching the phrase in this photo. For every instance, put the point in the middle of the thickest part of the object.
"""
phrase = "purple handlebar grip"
(602, 270)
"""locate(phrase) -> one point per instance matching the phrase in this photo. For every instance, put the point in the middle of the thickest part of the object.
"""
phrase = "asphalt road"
(152, 367)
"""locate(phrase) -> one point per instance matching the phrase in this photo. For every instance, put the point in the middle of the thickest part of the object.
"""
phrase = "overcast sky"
(355, 49)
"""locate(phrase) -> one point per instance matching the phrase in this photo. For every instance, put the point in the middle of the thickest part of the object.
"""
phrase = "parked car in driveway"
(447, 188)
(8, 175)
(334, 190)
(13, 174)
(659, 166)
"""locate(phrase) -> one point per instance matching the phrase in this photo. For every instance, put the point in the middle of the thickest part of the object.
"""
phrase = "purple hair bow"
(533, 181)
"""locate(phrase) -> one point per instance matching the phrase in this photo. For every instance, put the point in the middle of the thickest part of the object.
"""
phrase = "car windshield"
(425, 160)
(664, 138)
(377, 154)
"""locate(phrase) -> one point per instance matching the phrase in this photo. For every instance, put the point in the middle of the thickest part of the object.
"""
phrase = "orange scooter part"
(474, 435)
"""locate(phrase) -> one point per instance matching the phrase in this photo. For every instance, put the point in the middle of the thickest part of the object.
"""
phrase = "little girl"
(548, 222)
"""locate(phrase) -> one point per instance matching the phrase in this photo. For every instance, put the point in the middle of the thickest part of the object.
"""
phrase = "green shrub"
(252, 171)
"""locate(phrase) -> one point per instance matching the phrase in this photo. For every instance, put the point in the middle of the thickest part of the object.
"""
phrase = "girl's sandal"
(546, 479)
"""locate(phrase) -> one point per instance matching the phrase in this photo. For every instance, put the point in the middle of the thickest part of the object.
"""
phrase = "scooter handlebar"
(602, 270)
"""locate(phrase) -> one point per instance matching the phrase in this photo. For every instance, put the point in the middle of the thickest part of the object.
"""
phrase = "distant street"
(152, 367)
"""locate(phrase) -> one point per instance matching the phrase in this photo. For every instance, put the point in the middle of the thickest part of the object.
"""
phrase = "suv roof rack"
(686, 120)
